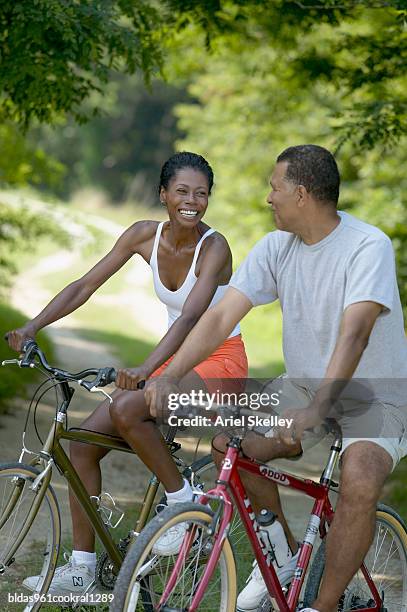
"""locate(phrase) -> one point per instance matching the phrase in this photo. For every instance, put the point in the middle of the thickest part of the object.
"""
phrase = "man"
(335, 278)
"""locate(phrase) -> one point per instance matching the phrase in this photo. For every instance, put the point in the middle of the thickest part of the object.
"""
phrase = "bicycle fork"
(41, 483)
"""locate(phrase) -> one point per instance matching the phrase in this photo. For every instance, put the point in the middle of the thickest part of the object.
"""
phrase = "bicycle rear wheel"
(144, 573)
(29, 540)
(386, 562)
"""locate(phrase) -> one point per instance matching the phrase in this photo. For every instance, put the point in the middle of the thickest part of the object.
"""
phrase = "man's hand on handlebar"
(17, 337)
(302, 419)
(131, 378)
(157, 393)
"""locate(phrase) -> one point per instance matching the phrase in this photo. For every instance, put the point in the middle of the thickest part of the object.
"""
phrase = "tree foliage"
(357, 48)
(23, 162)
(252, 101)
(122, 150)
(19, 231)
(55, 54)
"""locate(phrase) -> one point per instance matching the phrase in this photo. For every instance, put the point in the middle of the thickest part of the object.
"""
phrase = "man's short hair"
(315, 168)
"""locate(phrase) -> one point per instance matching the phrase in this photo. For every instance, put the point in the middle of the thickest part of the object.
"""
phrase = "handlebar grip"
(28, 344)
(111, 376)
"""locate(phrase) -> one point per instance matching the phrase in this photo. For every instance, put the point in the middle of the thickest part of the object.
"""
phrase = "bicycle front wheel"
(144, 575)
(203, 475)
(29, 536)
(387, 564)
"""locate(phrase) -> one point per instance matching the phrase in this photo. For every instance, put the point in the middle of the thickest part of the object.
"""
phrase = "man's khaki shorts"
(373, 421)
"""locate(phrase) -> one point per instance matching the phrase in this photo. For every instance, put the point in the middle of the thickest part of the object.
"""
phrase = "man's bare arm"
(355, 329)
(354, 332)
(211, 330)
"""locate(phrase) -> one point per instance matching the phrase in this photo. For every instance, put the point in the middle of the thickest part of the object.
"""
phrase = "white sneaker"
(68, 578)
(170, 542)
(308, 610)
(249, 599)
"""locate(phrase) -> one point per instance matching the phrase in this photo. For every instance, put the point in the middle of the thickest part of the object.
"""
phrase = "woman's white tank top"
(175, 300)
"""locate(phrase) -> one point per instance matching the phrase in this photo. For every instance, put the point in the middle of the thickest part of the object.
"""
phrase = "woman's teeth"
(188, 213)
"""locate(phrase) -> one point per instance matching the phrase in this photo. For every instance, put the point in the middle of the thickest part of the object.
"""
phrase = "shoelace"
(174, 530)
(61, 570)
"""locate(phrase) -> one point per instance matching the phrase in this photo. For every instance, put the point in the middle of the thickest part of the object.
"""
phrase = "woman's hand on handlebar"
(131, 378)
(16, 337)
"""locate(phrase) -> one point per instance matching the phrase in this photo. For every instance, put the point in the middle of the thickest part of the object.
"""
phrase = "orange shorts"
(229, 361)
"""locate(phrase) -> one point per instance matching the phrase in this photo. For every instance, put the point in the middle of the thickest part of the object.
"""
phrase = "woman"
(191, 265)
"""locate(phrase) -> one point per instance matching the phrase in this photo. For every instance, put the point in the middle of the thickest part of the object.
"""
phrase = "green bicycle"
(30, 524)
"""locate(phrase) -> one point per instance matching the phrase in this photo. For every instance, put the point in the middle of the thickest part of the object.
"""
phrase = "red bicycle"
(202, 575)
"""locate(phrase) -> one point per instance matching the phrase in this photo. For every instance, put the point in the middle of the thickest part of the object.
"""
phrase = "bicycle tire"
(30, 556)
(127, 589)
(357, 592)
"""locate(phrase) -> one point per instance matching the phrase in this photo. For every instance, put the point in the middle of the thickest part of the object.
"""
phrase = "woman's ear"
(162, 196)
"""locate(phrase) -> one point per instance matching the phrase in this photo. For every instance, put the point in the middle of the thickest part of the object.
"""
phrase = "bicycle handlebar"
(30, 350)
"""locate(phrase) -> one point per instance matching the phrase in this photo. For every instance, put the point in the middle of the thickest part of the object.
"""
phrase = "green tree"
(122, 150)
(55, 54)
(23, 162)
(356, 47)
(254, 100)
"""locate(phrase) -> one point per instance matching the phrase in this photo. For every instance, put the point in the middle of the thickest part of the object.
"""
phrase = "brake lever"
(103, 392)
(95, 389)
(11, 362)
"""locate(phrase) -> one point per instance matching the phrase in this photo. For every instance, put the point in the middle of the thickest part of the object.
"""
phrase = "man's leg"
(365, 467)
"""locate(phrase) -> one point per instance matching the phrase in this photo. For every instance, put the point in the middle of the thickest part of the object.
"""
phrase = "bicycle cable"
(196, 449)
(55, 386)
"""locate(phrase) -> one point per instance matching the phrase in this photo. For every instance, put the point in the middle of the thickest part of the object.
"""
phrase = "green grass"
(127, 524)
(94, 202)
(13, 380)
(131, 350)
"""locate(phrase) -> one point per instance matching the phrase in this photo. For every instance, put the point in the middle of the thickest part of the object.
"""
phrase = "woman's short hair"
(182, 160)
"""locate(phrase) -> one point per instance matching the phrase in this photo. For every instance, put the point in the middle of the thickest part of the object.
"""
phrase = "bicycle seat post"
(336, 448)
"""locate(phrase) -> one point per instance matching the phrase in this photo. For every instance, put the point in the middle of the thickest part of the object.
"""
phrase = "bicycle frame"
(53, 453)
(321, 514)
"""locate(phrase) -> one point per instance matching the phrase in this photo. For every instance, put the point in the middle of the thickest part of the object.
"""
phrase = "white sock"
(82, 557)
(183, 495)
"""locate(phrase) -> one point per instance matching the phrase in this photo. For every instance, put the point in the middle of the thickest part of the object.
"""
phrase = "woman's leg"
(86, 459)
(131, 418)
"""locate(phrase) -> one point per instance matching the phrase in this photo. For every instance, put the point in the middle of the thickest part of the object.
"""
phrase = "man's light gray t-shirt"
(315, 284)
